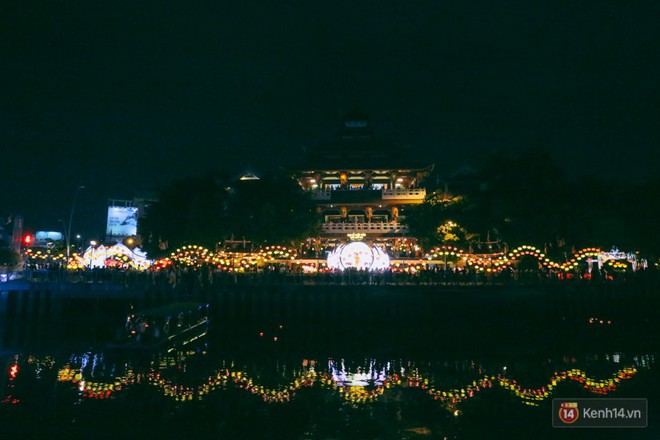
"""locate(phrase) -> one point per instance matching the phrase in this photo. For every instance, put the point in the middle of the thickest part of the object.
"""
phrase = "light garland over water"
(358, 387)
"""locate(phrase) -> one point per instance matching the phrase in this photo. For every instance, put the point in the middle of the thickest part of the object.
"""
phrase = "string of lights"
(352, 393)
(195, 257)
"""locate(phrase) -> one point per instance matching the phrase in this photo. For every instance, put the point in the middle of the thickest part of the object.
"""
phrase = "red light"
(13, 371)
(27, 239)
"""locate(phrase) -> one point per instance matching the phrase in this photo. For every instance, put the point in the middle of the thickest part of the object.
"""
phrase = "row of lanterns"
(499, 261)
(351, 392)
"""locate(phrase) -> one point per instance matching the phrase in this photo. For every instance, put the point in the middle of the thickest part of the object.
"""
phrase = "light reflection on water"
(185, 376)
(465, 372)
(451, 398)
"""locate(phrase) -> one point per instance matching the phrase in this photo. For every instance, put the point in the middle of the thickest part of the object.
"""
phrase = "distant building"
(11, 231)
(143, 201)
(361, 184)
(249, 175)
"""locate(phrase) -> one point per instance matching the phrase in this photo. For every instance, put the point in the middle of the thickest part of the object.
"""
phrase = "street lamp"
(68, 230)
(63, 229)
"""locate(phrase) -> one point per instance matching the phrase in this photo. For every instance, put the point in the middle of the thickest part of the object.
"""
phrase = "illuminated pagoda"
(362, 186)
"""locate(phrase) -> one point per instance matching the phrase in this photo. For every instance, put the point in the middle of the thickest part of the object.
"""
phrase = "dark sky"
(124, 96)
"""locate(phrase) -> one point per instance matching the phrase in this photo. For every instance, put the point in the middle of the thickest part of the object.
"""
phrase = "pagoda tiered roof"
(363, 154)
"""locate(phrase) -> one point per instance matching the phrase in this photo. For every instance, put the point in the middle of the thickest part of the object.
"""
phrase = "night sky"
(126, 96)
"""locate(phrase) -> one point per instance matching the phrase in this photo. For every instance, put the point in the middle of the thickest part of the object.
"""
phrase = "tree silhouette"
(209, 209)
(528, 198)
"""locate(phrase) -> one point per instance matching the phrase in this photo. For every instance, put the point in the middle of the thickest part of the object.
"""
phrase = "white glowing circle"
(358, 255)
(381, 259)
(333, 258)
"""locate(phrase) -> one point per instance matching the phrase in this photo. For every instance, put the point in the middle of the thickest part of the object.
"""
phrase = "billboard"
(122, 221)
(42, 237)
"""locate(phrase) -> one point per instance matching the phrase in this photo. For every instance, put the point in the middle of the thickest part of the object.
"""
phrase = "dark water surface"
(358, 362)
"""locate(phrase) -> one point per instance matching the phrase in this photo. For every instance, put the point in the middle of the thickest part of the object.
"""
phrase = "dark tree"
(523, 197)
(426, 219)
(529, 199)
(271, 210)
(191, 210)
(8, 257)
(209, 209)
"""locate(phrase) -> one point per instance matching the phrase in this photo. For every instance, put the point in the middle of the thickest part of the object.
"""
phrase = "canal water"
(330, 362)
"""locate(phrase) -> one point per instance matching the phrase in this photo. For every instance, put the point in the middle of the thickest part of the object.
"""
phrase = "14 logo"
(569, 412)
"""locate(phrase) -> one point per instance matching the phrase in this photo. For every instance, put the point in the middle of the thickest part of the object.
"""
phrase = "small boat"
(163, 327)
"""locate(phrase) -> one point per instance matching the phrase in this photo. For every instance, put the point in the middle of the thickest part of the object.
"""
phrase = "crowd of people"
(191, 278)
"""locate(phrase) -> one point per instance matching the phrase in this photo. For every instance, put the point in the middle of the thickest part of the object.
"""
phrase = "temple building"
(362, 185)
